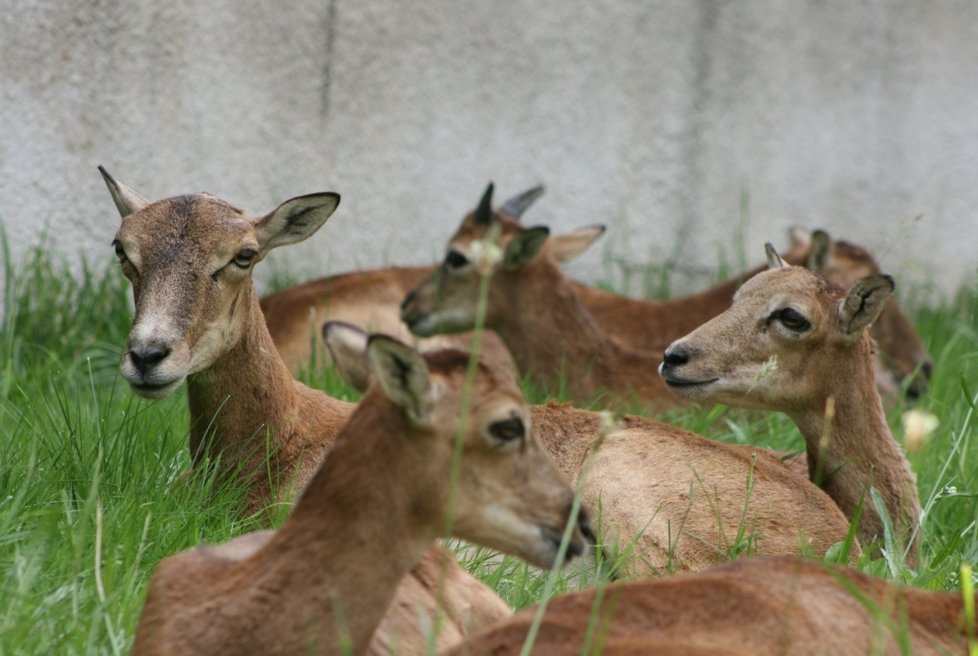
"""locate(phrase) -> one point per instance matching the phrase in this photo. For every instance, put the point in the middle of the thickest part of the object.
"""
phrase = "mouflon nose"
(143, 357)
(675, 356)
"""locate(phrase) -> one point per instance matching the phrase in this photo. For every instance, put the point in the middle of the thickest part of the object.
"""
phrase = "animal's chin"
(692, 388)
(536, 543)
(421, 327)
(155, 391)
(545, 555)
(735, 392)
(429, 326)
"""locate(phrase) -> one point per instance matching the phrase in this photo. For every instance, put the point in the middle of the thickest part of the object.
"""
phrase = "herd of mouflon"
(443, 444)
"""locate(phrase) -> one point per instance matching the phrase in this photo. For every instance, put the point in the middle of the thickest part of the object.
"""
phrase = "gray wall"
(688, 127)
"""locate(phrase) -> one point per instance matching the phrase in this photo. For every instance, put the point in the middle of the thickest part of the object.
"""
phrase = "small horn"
(774, 260)
(516, 205)
(483, 213)
(126, 200)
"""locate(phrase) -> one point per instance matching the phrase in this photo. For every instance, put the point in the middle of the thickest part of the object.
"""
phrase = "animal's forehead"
(471, 230)
(792, 283)
(190, 221)
(491, 384)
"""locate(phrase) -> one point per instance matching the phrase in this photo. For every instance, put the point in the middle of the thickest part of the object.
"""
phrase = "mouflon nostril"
(675, 356)
(408, 300)
(147, 356)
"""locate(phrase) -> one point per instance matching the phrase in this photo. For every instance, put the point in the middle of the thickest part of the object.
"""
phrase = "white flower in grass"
(918, 428)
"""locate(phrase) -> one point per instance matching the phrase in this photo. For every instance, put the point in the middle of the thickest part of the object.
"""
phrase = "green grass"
(92, 495)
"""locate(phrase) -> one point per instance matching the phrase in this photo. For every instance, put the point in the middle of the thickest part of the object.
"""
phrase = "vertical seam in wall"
(327, 67)
(706, 23)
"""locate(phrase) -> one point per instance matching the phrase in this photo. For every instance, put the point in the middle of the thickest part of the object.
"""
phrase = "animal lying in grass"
(663, 499)
(800, 344)
(746, 607)
(900, 359)
(372, 299)
(530, 304)
(190, 260)
(322, 582)
(830, 362)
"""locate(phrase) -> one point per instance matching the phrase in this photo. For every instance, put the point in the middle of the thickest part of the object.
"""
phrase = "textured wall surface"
(688, 127)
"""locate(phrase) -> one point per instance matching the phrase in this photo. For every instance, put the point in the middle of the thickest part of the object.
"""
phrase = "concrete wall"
(687, 126)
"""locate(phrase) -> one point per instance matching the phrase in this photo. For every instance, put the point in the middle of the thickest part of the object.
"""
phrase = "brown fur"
(684, 496)
(370, 299)
(244, 404)
(337, 561)
(684, 499)
(215, 332)
(533, 309)
(651, 325)
(747, 357)
(754, 606)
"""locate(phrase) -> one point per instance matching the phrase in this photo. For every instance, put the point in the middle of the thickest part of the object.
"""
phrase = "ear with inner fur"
(863, 304)
(774, 260)
(524, 246)
(347, 345)
(568, 246)
(818, 254)
(126, 200)
(295, 220)
(403, 375)
(799, 237)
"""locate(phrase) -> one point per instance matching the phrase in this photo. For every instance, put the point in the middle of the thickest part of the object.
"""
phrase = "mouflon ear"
(295, 220)
(863, 304)
(570, 245)
(126, 200)
(347, 345)
(799, 237)
(403, 375)
(774, 260)
(818, 254)
(516, 205)
(524, 246)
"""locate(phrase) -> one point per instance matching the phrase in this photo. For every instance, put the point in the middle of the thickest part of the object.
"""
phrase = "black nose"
(675, 356)
(927, 369)
(147, 356)
(408, 300)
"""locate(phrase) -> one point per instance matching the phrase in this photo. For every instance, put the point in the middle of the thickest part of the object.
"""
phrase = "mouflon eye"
(120, 252)
(508, 430)
(792, 319)
(455, 260)
(245, 258)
